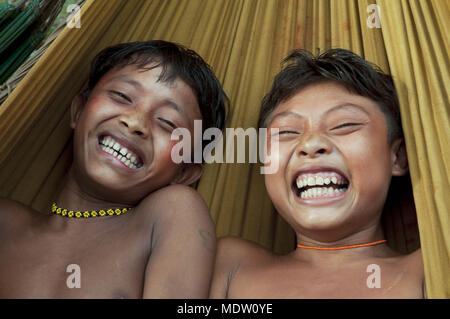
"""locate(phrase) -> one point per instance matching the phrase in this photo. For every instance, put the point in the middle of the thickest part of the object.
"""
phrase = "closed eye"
(345, 125)
(169, 123)
(121, 96)
(286, 132)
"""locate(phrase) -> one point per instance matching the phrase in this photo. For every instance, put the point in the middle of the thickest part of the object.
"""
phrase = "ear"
(399, 158)
(76, 108)
(188, 174)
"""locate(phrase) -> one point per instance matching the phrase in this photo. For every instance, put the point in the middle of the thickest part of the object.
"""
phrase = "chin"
(321, 222)
(316, 218)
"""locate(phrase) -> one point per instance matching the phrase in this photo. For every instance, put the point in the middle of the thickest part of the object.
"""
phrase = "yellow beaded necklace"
(87, 214)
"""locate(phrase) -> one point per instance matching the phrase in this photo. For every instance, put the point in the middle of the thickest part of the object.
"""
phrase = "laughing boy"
(340, 143)
(125, 219)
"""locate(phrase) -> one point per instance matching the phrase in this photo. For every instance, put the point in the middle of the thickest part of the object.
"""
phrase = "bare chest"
(366, 281)
(84, 267)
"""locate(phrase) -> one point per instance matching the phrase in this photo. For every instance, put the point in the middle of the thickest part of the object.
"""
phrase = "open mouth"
(122, 153)
(325, 184)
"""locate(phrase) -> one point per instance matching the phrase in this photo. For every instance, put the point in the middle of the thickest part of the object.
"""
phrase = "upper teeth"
(319, 179)
(109, 145)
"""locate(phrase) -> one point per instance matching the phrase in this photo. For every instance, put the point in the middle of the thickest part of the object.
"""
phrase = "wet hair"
(176, 62)
(301, 68)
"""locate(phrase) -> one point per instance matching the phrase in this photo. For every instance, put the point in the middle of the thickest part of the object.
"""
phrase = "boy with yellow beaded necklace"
(125, 219)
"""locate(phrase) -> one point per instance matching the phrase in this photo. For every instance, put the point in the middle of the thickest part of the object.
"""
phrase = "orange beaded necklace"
(343, 247)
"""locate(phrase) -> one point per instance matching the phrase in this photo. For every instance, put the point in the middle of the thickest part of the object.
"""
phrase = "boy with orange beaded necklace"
(340, 142)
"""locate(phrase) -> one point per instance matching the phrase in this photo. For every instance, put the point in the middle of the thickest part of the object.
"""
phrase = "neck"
(73, 197)
(371, 234)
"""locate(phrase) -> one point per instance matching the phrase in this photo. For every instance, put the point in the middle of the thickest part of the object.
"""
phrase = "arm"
(415, 265)
(230, 251)
(220, 280)
(183, 245)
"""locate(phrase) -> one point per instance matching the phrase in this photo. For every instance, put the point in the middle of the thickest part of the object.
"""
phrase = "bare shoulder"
(241, 250)
(8, 204)
(410, 264)
(235, 255)
(414, 262)
(183, 244)
(410, 268)
(176, 210)
(176, 204)
(174, 198)
(13, 212)
(415, 256)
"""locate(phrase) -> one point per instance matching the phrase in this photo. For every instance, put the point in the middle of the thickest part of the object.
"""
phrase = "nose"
(135, 123)
(314, 145)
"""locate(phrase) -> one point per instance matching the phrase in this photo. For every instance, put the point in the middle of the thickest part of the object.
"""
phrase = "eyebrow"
(347, 105)
(177, 107)
(128, 80)
(281, 114)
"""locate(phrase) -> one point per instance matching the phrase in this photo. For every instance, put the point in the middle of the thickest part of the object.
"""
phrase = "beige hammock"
(244, 41)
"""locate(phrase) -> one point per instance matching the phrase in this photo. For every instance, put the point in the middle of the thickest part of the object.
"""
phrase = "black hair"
(301, 68)
(176, 61)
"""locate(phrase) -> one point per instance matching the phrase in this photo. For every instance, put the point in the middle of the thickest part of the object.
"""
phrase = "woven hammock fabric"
(244, 41)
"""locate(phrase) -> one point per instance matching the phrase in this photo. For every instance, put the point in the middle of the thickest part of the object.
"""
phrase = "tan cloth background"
(244, 41)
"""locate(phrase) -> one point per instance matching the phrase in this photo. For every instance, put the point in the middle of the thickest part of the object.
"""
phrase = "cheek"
(163, 150)
(276, 182)
(275, 189)
(277, 153)
(95, 99)
(96, 110)
(369, 164)
(98, 105)
(163, 167)
(168, 152)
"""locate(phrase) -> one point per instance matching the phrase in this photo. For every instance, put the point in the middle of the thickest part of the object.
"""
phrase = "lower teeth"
(114, 153)
(321, 192)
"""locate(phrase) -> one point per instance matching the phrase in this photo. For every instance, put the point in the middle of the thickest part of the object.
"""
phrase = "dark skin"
(324, 130)
(163, 248)
(246, 270)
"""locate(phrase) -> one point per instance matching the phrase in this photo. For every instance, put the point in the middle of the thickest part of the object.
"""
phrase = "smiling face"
(122, 144)
(335, 164)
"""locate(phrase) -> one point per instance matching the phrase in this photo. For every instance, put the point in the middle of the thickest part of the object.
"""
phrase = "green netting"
(20, 54)
(7, 12)
(18, 25)
(24, 25)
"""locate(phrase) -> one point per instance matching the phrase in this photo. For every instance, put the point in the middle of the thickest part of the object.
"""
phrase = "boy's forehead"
(141, 77)
(322, 98)
(132, 73)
